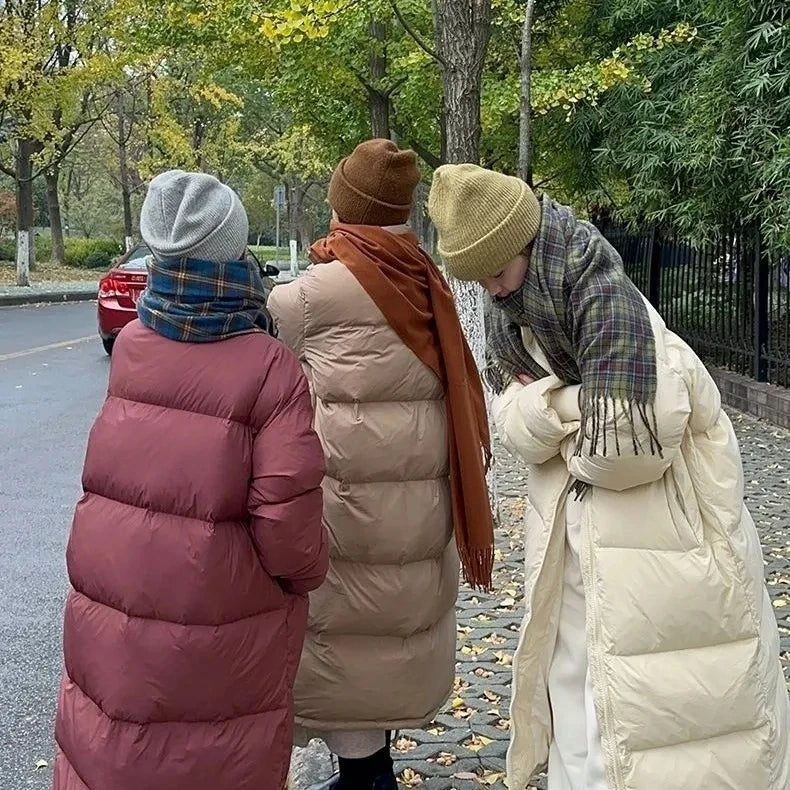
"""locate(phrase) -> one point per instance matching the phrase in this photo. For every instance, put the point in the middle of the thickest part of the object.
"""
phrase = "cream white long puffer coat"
(682, 640)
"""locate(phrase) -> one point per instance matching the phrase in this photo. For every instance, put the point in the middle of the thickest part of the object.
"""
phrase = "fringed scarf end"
(496, 377)
(478, 568)
(602, 421)
(579, 490)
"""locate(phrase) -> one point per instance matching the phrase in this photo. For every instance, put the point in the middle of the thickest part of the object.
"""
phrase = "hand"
(524, 379)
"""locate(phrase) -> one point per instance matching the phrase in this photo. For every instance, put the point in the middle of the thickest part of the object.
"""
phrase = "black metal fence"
(730, 299)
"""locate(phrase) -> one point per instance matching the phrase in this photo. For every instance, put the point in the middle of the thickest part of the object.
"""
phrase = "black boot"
(386, 781)
(367, 773)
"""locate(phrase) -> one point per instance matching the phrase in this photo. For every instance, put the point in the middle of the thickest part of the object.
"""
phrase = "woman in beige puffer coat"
(649, 653)
(401, 416)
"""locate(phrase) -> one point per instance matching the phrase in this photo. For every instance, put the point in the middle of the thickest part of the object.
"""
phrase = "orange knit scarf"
(410, 291)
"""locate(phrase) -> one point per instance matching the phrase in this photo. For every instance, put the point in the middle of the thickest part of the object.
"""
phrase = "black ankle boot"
(369, 773)
(386, 781)
(383, 782)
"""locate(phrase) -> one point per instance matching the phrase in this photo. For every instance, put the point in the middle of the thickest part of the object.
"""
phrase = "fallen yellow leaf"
(405, 744)
(505, 659)
(477, 742)
(410, 778)
(490, 696)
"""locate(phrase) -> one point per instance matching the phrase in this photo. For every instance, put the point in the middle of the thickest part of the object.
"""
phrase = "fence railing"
(729, 299)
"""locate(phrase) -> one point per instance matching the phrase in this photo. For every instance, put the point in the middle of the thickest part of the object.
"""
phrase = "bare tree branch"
(397, 85)
(427, 156)
(415, 35)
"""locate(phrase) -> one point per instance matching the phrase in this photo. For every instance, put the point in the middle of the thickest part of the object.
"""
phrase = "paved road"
(48, 399)
(53, 374)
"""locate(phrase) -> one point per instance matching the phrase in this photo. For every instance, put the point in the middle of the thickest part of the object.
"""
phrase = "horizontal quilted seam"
(178, 722)
(264, 613)
(169, 408)
(338, 559)
(727, 734)
(722, 643)
(377, 401)
(384, 482)
(237, 524)
(232, 523)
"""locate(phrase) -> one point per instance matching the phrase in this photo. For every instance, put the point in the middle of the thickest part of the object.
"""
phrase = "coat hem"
(320, 726)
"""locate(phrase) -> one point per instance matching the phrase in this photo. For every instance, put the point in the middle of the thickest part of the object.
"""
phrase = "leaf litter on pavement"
(475, 718)
(489, 624)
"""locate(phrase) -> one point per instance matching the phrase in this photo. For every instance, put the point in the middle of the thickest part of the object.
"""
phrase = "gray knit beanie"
(193, 215)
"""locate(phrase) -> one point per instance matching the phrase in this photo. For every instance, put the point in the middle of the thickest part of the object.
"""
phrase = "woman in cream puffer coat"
(649, 653)
(681, 636)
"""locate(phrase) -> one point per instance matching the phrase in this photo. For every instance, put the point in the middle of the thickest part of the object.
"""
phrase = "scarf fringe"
(601, 423)
(478, 567)
(496, 376)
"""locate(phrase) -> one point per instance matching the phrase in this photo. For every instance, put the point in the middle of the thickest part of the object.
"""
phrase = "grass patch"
(48, 273)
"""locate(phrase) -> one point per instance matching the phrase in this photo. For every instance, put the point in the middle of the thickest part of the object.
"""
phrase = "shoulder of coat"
(327, 280)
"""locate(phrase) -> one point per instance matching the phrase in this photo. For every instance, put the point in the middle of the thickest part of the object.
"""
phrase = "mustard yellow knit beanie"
(484, 219)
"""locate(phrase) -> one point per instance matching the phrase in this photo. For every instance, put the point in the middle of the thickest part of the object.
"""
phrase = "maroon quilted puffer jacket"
(190, 557)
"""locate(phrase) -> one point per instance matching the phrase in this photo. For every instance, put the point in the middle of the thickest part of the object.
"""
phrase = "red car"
(119, 290)
(121, 287)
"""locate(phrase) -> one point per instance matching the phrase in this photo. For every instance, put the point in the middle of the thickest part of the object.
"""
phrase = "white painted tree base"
(469, 304)
(24, 256)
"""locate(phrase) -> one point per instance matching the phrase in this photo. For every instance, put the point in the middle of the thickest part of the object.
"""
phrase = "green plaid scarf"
(196, 301)
(592, 324)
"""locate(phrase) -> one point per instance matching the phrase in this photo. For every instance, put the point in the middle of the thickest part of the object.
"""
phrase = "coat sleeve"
(534, 421)
(629, 469)
(287, 306)
(285, 499)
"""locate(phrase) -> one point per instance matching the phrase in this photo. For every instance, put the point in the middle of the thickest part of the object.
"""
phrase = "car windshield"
(136, 260)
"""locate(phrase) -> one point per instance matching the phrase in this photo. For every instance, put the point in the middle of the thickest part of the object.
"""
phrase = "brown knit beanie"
(375, 185)
(484, 219)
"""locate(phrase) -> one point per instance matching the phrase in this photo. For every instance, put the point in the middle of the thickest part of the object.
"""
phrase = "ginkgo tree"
(55, 67)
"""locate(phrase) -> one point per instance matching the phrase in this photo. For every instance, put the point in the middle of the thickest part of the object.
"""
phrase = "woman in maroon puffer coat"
(199, 534)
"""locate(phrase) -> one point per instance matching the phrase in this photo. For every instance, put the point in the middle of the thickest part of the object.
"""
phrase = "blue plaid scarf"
(196, 301)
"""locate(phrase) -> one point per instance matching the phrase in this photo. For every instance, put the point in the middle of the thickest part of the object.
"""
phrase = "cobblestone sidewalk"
(465, 747)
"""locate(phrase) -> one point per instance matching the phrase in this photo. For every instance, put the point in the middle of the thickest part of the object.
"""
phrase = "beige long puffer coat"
(681, 636)
(380, 647)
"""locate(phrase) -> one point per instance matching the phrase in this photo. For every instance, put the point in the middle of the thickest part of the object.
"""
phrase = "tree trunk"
(525, 119)
(306, 230)
(65, 204)
(52, 178)
(419, 219)
(25, 212)
(463, 29)
(123, 167)
(378, 99)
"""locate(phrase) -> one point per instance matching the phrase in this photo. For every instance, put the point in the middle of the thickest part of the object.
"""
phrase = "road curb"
(47, 297)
